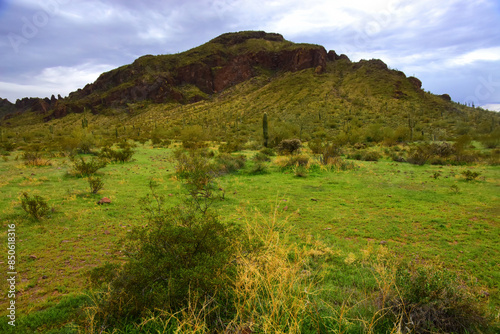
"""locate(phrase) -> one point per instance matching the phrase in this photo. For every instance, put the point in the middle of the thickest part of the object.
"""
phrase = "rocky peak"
(240, 37)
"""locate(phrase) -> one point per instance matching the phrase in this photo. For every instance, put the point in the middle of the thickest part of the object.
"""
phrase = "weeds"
(428, 299)
(35, 159)
(470, 176)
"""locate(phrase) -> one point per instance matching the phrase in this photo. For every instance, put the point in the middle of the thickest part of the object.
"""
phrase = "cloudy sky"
(57, 46)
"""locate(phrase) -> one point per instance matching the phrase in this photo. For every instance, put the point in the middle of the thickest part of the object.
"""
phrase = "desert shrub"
(364, 155)
(316, 146)
(329, 152)
(339, 164)
(300, 171)
(259, 168)
(35, 206)
(261, 157)
(198, 173)
(470, 176)
(228, 163)
(123, 154)
(491, 141)
(252, 145)
(182, 257)
(493, 158)
(193, 137)
(289, 146)
(287, 162)
(8, 146)
(35, 159)
(442, 150)
(83, 167)
(231, 146)
(418, 155)
(464, 157)
(95, 184)
(370, 156)
(268, 151)
(397, 156)
(430, 300)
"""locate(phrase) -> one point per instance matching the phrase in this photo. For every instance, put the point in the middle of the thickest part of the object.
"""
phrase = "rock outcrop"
(161, 78)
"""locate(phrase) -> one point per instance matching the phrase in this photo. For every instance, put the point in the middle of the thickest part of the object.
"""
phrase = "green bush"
(418, 155)
(228, 163)
(370, 156)
(35, 206)
(83, 167)
(123, 154)
(289, 146)
(261, 157)
(300, 171)
(432, 300)
(95, 184)
(268, 151)
(231, 146)
(198, 173)
(470, 176)
(316, 146)
(182, 257)
(35, 159)
(193, 137)
(8, 146)
(259, 168)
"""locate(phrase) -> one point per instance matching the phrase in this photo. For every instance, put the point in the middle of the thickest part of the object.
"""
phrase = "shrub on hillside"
(231, 146)
(193, 137)
(289, 146)
(418, 155)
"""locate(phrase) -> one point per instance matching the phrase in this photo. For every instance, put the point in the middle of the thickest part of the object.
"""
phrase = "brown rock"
(104, 200)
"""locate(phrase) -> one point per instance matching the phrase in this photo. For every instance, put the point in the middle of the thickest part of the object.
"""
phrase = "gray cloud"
(56, 46)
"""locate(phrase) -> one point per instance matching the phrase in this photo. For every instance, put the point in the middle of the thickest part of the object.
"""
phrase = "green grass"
(395, 206)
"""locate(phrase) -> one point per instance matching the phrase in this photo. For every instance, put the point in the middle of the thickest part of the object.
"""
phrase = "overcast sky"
(57, 46)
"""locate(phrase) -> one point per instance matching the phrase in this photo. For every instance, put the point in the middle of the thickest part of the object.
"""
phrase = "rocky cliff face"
(159, 82)
(192, 75)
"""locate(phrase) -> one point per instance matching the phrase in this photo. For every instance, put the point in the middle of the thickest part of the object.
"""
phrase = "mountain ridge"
(226, 84)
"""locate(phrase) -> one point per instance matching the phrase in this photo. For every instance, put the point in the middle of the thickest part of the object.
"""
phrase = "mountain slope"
(225, 85)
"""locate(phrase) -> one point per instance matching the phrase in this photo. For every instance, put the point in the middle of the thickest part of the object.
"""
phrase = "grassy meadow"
(351, 226)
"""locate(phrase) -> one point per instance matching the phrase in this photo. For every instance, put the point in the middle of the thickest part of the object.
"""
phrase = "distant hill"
(227, 83)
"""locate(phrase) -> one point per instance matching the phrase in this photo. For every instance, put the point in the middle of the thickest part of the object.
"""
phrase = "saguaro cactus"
(265, 130)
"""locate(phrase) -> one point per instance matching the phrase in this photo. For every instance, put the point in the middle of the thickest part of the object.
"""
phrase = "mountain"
(193, 75)
(226, 84)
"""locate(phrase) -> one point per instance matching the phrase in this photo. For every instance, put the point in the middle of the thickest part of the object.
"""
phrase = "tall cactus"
(265, 129)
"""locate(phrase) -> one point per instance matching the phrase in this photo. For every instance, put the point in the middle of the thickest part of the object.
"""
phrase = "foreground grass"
(397, 207)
